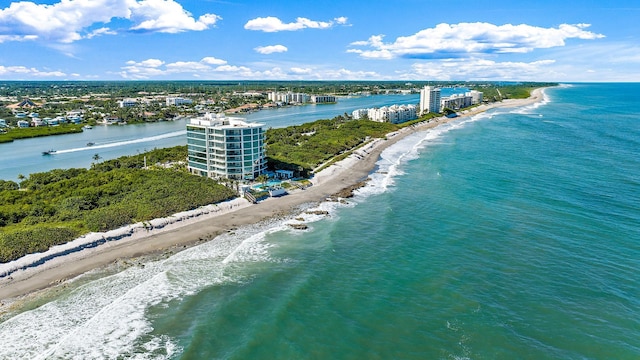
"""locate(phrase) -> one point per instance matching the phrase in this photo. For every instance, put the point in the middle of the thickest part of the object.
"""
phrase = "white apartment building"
(429, 100)
(359, 114)
(401, 113)
(378, 114)
(455, 102)
(476, 96)
(394, 114)
(321, 99)
(300, 98)
(289, 97)
(226, 147)
(176, 101)
(127, 102)
(460, 101)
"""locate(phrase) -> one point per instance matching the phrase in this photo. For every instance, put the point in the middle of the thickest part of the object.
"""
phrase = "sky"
(412, 40)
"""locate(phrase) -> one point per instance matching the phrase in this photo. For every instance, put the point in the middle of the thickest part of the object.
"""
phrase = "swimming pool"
(269, 183)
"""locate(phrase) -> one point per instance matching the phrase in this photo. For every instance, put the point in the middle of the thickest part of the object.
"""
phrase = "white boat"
(49, 152)
(87, 127)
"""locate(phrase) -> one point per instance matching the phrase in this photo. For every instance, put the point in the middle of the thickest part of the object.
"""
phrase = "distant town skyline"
(413, 40)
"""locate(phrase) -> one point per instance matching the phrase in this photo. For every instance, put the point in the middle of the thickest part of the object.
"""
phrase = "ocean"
(512, 234)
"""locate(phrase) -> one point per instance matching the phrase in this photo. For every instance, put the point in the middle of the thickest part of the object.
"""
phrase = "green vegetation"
(25, 133)
(8, 185)
(499, 91)
(55, 207)
(92, 90)
(301, 148)
(173, 157)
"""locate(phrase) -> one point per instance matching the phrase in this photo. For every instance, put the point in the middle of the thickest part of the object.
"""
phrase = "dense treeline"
(498, 92)
(19, 133)
(174, 157)
(55, 207)
(119, 89)
(303, 147)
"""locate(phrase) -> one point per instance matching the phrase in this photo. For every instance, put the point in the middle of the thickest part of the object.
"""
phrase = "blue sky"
(559, 40)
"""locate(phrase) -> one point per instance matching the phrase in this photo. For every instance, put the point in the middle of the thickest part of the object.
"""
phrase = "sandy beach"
(188, 229)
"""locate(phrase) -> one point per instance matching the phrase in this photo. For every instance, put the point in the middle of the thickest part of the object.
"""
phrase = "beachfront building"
(226, 147)
(429, 100)
(177, 101)
(455, 102)
(394, 114)
(476, 96)
(461, 101)
(401, 113)
(359, 114)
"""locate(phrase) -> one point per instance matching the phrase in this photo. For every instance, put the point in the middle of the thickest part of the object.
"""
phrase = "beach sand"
(228, 216)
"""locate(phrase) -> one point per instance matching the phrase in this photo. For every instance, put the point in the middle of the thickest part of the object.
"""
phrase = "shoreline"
(190, 230)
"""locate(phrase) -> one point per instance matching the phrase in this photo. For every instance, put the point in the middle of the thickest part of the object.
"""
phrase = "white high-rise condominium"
(429, 100)
(226, 147)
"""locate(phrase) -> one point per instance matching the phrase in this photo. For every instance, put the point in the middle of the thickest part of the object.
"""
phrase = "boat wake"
(123, 143)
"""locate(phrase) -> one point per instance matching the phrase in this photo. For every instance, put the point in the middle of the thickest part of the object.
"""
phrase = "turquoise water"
(509, 235)
(268, 184)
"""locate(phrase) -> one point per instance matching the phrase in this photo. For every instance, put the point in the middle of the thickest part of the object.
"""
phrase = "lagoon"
(24, 157)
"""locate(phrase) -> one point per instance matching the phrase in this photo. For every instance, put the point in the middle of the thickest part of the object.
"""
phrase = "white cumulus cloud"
(156, 68)
(300, 71)
(21, 72)
(446, 41)
(341, 20)
(482, 69)
(167, 16)
(271, 49)
(273, 24)
(71, 20)
(213, 61)
(216, 69)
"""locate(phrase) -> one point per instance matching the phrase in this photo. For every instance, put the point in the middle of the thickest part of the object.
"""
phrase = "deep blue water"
(509, 235)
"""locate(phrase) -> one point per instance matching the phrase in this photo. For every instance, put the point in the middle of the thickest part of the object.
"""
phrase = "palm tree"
(96, 157)
(262, 178)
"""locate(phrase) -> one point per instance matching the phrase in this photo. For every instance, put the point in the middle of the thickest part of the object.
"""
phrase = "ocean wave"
(393, 158)
(107, 317)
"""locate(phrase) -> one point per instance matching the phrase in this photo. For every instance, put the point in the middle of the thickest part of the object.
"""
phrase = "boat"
(87, 127)
(90, 144)
(49, 152)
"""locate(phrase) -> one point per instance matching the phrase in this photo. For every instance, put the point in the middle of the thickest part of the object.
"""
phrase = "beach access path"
(185, 233)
